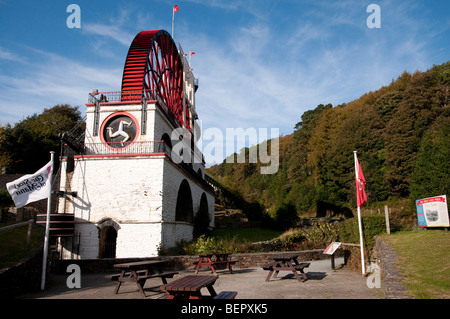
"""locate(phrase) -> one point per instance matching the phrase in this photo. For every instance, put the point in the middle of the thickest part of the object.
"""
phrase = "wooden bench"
(138, 272)
(228, 263)
(189, 287)
(141, 275)
(269, 266)
(283, 264)
(221, 259)
(116, 276)
(226, 295)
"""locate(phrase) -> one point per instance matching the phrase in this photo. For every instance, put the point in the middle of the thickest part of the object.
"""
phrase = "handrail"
(137, 147)
(118, 96)
(30, 224)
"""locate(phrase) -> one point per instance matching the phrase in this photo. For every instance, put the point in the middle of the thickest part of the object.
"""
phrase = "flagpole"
(173, 19)
(361, 243)
(47, 226)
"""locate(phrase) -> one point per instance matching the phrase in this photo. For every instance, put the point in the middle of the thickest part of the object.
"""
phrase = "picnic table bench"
(286, 262)
(189, 287)
(139, 272)
(208, 260)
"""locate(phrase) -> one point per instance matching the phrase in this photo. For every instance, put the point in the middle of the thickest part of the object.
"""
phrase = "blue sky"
(260, 63)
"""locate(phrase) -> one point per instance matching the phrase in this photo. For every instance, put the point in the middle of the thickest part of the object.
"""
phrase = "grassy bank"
(13, 245)
(253, 234)
(423, 257)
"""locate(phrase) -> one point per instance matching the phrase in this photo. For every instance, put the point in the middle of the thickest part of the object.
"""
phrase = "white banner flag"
(31, 187)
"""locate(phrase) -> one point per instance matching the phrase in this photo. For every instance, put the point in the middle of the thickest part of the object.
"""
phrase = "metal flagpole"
(361, 242)
(47, 226)
(174, 9)
(359, 222)
(173, 19)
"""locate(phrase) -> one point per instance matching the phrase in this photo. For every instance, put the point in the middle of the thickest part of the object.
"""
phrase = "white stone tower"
(138, 177)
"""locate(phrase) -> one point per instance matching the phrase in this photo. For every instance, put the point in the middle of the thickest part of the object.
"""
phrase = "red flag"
(175, 8)
(191, 53)
(361, 197)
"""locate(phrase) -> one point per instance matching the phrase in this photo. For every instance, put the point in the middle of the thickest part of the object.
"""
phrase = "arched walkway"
(202, 219)
(184, 209)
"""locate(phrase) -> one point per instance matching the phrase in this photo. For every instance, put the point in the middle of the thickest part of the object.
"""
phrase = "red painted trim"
(119, 155)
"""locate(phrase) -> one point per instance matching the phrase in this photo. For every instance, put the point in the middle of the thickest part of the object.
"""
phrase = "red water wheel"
(153, 68)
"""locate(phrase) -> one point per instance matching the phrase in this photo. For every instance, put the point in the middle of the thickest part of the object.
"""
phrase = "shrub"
(5, 199)
(286, 216)
(317, 236)
(372, 225)
(254, 211)
(204, 245)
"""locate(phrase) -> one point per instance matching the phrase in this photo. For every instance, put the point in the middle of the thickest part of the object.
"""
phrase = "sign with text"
(332, 248)
(432, 212)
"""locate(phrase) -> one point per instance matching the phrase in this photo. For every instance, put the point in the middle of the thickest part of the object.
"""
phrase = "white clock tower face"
(119, 130)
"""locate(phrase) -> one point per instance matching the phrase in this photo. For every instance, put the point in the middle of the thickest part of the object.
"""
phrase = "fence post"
(30, 224)
(386, 214)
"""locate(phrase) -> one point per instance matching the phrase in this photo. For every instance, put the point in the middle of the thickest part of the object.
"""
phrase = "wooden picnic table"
(189, 287)
(139, 272)
(208, 260)
(286, 262)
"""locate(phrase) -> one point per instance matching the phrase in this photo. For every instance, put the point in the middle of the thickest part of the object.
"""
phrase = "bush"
(204, 245)
(254, 211)
(318, 236)
(5, 202)
(373, 225)
(286, 216)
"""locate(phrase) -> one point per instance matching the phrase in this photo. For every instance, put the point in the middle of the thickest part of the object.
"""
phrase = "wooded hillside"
(401, 133)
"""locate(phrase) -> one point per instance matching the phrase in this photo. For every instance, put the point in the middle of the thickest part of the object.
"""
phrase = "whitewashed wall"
(137, 193)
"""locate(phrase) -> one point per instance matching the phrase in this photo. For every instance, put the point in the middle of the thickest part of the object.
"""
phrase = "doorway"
(108, 239)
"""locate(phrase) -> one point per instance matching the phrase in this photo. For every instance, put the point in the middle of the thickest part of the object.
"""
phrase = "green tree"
(432, 167)
(286, 216)
(25, 147)
(423, 102)
(397, 130)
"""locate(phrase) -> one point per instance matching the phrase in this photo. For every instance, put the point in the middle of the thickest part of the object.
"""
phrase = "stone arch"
(108, 231)
(202, 218)
(167, 143)
(204, 203)
(184, 209)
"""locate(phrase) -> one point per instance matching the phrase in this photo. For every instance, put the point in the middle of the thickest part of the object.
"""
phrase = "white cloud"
(114, 32)
(51, 80)
(5, 54)
(259, 73)
(258, 77)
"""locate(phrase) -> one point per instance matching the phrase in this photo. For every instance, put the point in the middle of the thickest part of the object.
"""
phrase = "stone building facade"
(138, 178)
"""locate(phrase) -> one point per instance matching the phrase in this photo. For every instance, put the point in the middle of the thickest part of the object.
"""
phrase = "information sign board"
(332, 248)
(432, 211)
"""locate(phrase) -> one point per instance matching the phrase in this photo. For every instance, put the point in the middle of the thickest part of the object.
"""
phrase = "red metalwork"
(153, 66)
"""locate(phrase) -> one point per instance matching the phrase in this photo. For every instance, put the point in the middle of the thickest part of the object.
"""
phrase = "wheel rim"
(154, 69)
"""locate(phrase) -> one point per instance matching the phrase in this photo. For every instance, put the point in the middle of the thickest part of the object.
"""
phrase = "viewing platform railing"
(127, 148)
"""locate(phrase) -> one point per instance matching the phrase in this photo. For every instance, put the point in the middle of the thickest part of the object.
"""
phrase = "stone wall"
(23, 277)
(391, 275)
(187, 262)
(145, 212)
